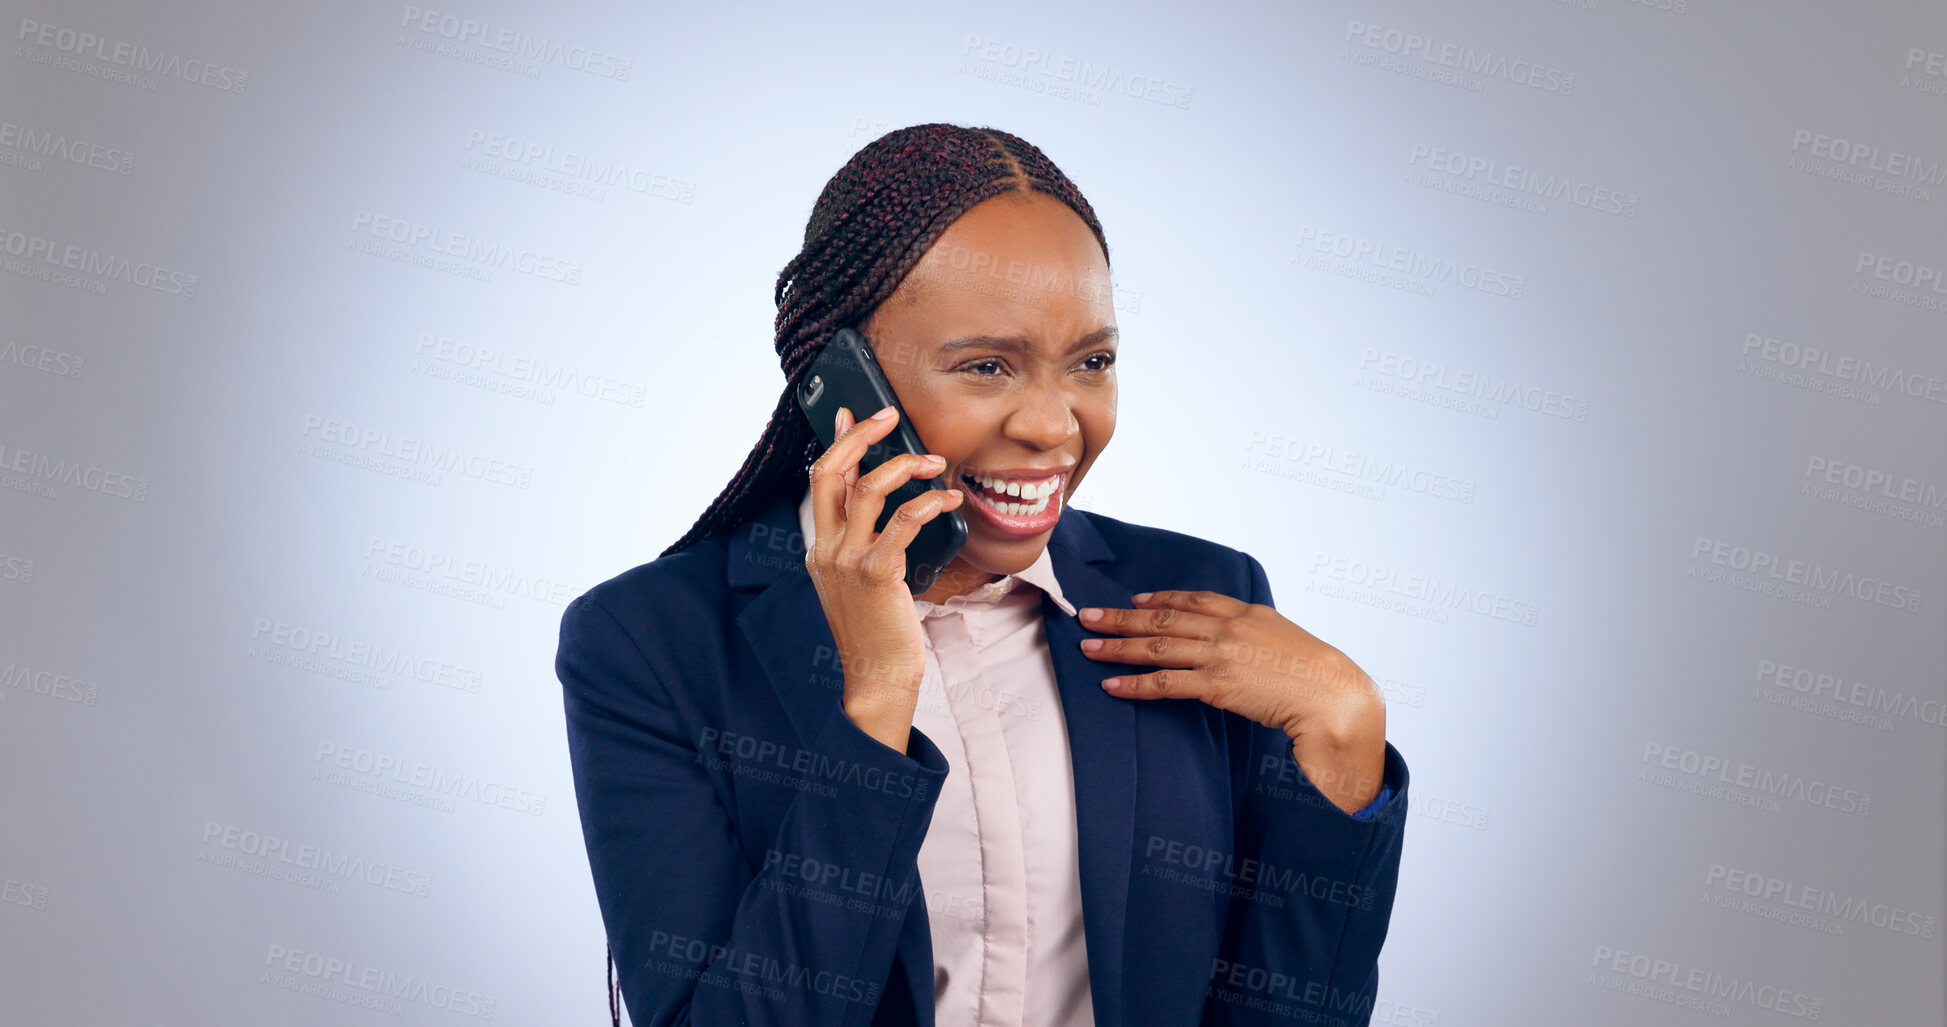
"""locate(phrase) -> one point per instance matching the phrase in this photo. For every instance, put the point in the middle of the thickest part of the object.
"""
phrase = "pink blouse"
(998, 866)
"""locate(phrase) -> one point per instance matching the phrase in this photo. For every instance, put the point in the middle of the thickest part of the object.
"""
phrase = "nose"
(1044, 420)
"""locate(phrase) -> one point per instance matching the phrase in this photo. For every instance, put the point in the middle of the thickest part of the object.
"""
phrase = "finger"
(886, 557)
(1161, 684)
(867, 496)
(856, 440)
(847, 422)
(827, 503)
(1154, 650)
(1215, 604)
(836, 469)
(888, 476)
(1163, 621)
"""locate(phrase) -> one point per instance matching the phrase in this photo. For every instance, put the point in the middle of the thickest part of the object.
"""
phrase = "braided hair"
(873, 222)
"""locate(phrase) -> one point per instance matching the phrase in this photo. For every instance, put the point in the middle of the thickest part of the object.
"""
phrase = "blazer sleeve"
(1303, 944)
(698, 938)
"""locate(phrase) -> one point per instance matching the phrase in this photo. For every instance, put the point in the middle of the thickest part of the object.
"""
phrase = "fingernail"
(936, 460)
(1140, 596)
(1091, 613)
(883, 414)
(1091, 644)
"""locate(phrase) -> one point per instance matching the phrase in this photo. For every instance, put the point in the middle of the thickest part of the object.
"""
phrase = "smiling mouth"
(1001, 495)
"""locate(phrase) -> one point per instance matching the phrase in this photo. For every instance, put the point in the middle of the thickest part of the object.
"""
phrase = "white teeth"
(1027, 490)
(1036, 492)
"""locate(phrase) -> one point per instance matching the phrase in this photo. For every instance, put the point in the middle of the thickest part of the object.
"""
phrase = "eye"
(1104, 355)
(989, 362)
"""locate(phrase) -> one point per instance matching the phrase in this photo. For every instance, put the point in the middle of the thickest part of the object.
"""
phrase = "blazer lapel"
(1102, 745)
(785, 627)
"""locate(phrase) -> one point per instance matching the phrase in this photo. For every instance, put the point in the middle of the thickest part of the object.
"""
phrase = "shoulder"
(1160, 558)
(692, 574)
(681, 595)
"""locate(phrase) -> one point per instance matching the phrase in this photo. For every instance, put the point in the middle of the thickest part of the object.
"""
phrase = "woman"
(935, 808)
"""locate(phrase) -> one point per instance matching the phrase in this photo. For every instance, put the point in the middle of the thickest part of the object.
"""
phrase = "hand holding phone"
(845, 374)
(862, 573)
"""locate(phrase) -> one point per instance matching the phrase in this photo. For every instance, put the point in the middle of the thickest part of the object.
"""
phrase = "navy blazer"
(754, 851)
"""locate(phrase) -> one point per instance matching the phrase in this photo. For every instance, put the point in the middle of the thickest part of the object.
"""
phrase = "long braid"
(873, 221)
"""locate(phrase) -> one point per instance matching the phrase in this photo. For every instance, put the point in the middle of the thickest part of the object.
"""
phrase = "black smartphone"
(845, 374)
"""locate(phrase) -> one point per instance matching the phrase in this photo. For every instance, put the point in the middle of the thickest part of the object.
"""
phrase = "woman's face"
(1001, 347)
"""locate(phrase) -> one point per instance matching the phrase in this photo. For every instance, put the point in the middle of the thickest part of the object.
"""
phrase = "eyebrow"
(1021, 342)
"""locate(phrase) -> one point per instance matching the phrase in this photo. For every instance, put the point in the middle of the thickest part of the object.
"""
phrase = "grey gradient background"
(183, 615)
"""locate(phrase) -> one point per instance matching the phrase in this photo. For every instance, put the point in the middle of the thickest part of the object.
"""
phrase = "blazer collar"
(784, 625)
